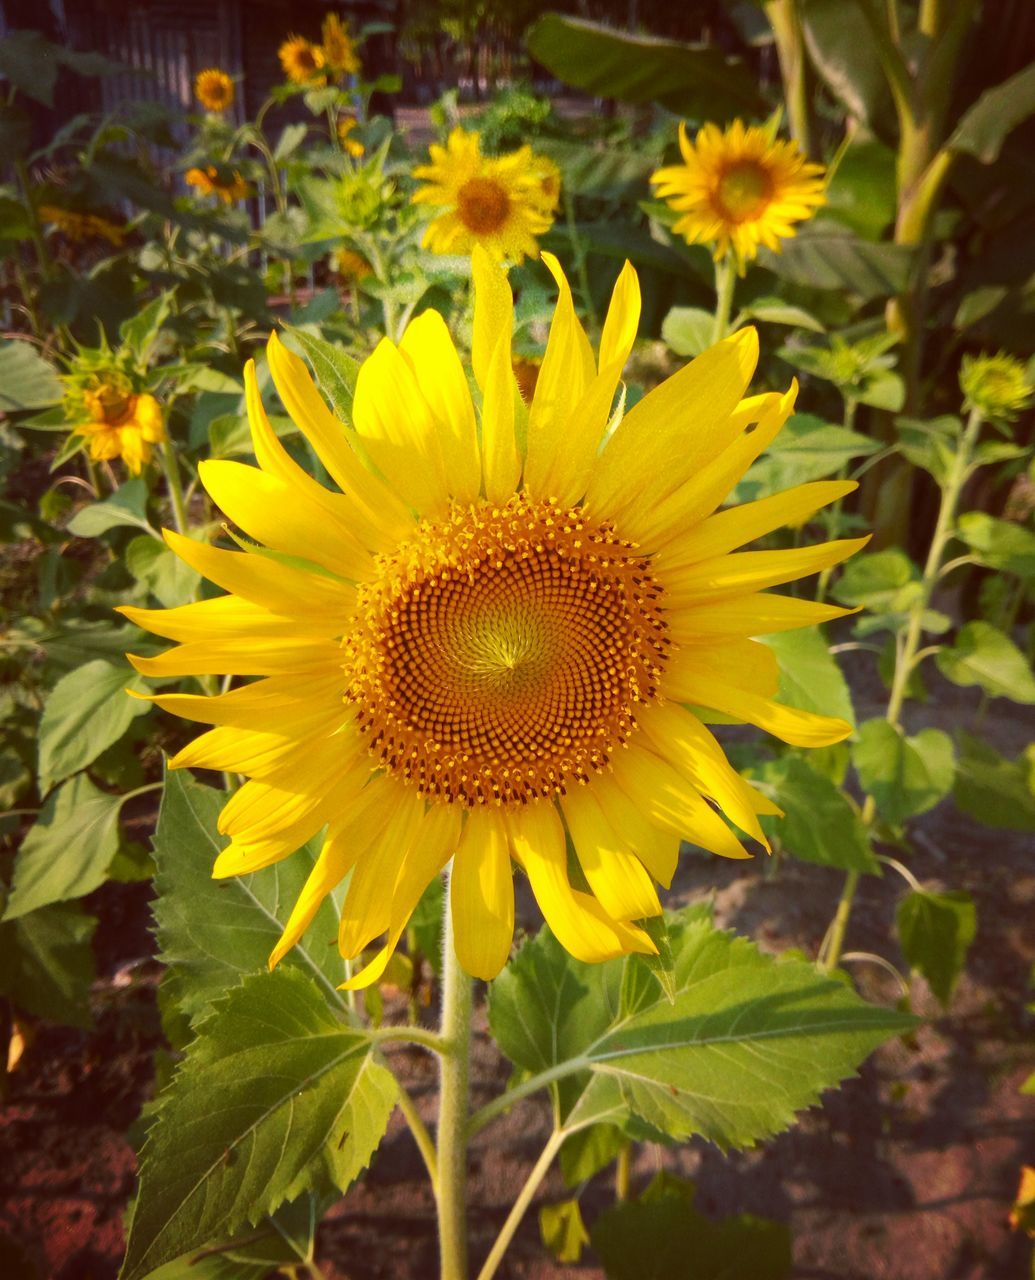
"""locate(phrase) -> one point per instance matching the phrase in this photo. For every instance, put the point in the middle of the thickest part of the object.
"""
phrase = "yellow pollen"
(483, 205)
(744, 191)
(500, 654)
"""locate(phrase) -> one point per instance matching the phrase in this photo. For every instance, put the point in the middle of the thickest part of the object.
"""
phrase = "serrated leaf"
(156, 566)
(806, 449)
(86, 711)
(985, 656)
(46, 963)
(905, 776)
(67, 850)
(935, 931)
(999, 544)
(661, 1235)
(820, 824)
(588, 1150)
(883, 582)
(27, 381)
(213, 932)
(776, 311)
(274, 1096)
(747, 1042)
(336, 371)
(126, 506)
(809, 675)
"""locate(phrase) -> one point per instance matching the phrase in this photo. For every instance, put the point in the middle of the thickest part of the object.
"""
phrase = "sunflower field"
(518, 609)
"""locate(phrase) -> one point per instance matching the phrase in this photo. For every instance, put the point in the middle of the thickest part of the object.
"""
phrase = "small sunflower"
(493, 201)
(997, 386)
(339, 50)
(739, 189)
(497, 633)
(210, 182)
(347, 126)
(121, 424)
(80, 227)
(303, 61)
(214, 89)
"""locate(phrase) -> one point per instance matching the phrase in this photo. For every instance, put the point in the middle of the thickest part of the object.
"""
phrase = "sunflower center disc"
(744, 191)
(500, 654)
(483, 205)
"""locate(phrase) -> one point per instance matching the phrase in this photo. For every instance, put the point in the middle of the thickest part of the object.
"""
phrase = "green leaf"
(905, 776)
(291, 138)
(67, 850)
(995, 791)
(820, 824)
(213, 932)
(141, 332)
(126, 506)
(86, 711)
(691, 80)
(883, 582)
(588, 1150)
(600, 171)
(155, 566)
(661, 1235)
(936, 930)
(862, 192)
(984, 656)
(30, 62)
(825, 255)
(747, 1042)
(274, 1097)
(984, 128)
(563, 1231)
(27, 381)
(809, 675)
(999, 544)
(844, 53)
(931, 444)
(46, 963)
(15, 133)
(806, 449)
(336, 371)
(688, 330)
(776, 311)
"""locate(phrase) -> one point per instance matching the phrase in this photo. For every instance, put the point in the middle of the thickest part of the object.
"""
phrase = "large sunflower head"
(493, 641)
(214, 89)
(302, 61)
(739, 189)
(119, 423)
(339, 51)
(496, 202)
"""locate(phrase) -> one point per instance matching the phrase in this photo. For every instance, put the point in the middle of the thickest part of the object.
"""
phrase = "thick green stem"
(454, 1067)
(725, 278)
(578, 250)
(171, 468)
(520, 1205)
(785, 19)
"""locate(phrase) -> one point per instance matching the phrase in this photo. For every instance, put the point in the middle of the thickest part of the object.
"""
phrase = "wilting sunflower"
(209, 182)
(339, 51)
(121, 424)
(80, 227)
(214, 89)
(303, 61)
(494, 637)
(497, 202)
(739, 189)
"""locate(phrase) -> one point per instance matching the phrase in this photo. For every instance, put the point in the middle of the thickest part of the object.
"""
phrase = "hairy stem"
(454, 1070)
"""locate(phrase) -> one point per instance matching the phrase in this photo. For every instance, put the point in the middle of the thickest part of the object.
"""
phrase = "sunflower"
(496, 202)
(302, 61)
(350, 265)
(80, 227)
(499, 635)
(997, 386)
(214, 89)
(739, 189)
(347, 125)
(121, 425)
(549, 183)
(209, 182)
(339, 51)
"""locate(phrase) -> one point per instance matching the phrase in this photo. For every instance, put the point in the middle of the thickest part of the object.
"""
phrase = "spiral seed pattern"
(500, 655)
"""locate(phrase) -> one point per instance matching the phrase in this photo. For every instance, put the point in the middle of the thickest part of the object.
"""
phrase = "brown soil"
(905, 1173)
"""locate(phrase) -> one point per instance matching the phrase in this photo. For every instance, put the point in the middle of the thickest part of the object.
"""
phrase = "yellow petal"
(623, 319)
(389, 829)
(427, 346)
(481, 891)
(493, 312)
(669, 800)
(618, 880)
(579, 922)
(675, 429)
(241, 657)
(501, 463)
(259, 810)
(657, 848)
(758, 614)
(281, 517)
(225, 617)
(434, 845)
(329, 438)
(744, 571)
(294, 704)
(336, 860)
(398, 430)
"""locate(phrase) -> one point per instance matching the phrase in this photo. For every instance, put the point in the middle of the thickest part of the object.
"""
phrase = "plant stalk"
(725, 278)
(454, 1072)
(172, 478)
(520, 1205)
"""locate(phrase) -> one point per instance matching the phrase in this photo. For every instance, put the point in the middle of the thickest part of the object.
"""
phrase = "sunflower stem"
(725, 278)
(520, 1205)
(171, 468)
(454, 1070)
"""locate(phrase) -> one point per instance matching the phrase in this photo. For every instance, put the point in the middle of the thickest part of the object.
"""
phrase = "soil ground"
(905, 1173)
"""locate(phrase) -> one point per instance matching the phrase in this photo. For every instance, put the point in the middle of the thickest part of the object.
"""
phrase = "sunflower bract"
(485, 643)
